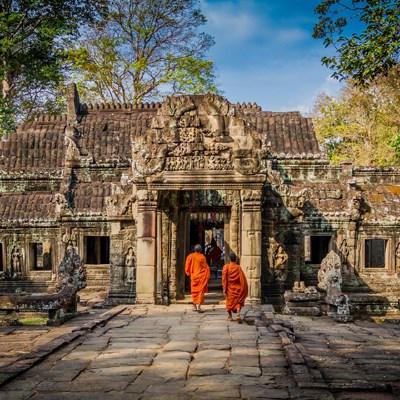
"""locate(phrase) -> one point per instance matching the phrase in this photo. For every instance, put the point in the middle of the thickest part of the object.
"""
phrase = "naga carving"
(330, 280)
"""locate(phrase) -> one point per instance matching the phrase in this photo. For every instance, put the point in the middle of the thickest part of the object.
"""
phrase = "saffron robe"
(197, 268)
(235, 287)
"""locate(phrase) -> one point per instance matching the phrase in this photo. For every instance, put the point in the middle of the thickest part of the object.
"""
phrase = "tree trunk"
(5, 83)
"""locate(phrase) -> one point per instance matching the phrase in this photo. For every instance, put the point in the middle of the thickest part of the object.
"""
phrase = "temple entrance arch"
(199, 152)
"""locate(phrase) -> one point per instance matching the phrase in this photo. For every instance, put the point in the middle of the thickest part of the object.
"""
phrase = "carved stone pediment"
(197, 133)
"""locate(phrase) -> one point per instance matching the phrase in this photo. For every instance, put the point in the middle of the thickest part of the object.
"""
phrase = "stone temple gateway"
(132, 188)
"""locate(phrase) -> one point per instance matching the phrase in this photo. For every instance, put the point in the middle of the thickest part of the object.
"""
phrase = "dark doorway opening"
(97, 250)
(207, 229)
(316, 248)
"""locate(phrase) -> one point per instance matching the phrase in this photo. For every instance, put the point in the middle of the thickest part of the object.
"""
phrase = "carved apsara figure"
(278, 260)
(398, 258)
(344, 254)
(16, 269)
(130, 266)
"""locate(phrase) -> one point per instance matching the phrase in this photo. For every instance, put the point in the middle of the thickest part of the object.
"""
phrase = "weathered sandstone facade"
(132, 188)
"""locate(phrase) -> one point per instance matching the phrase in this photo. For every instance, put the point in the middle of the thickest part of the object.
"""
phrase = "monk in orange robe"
(197, 268)
(234, 284)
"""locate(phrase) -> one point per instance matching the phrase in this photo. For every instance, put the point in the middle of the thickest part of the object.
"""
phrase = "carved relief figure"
(60, 201)
(344, 254)
(16, 269)
(398, 258)
(356, 208)
(69, 240)
(296, 205)
(278, 260)
(130, 266)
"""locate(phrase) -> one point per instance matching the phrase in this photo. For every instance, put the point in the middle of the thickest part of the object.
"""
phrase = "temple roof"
(104, 134)
(32, 208)
(102, 137)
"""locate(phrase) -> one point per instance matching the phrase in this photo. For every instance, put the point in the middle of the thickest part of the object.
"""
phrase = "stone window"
(40, 257)
(316, 248)
(375, 253)
(97, 250)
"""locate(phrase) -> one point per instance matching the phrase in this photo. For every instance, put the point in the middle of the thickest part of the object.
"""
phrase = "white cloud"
(264, 53)
(290, 35)
(231, 22)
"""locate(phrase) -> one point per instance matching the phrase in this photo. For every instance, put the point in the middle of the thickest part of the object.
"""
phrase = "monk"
(234, 284)
(197, 268)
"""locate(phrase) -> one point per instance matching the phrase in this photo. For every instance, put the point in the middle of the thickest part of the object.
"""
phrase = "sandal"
(200, 310)
(229, 318)
(238, 319)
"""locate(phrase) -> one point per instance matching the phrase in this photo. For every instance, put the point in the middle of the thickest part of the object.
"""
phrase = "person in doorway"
(234, 284)
(197, 268)
(214, 257)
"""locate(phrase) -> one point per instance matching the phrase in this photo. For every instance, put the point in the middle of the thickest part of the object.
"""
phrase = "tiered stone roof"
(35, 208)
(103, 136)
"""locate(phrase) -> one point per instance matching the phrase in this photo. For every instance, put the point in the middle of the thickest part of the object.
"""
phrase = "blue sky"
(265, 53)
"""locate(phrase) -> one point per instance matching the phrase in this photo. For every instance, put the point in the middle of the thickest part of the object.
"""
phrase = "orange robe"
(197, 268)
(234, 283)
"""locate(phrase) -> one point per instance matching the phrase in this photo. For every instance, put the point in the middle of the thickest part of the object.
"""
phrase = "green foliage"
(361, 125)
(395, 143)
(365, 35)
(7, 118)
(143, 50)
(191, 75)
(32, 36)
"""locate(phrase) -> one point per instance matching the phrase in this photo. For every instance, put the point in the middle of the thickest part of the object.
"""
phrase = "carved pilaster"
(251, 241)
(146, 290)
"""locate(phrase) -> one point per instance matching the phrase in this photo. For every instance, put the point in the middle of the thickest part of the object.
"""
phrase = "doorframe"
(183, 240)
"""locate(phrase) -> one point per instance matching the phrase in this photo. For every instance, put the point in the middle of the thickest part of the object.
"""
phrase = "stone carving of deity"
(344, 254)
(130, 267)
(278, 260)
(16, 262)
(398, 258)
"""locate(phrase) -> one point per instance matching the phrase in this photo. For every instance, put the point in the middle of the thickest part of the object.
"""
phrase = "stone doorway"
(201, 226)
(207, 229)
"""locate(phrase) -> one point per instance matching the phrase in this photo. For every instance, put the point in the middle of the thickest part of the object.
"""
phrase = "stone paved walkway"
(155, 352)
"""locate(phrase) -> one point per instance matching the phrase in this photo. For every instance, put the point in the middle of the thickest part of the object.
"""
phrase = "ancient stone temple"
(133, 188)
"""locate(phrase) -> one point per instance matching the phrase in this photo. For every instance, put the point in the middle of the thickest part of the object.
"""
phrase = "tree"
(365, 35)
(361, 125)
(144, 49)
(32, 36)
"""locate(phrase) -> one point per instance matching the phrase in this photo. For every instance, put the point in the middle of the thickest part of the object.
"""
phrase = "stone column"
(146, 285)
(251, 241)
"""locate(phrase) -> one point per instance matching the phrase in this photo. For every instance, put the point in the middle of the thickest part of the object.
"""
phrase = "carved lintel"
(197, 132)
